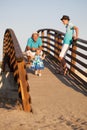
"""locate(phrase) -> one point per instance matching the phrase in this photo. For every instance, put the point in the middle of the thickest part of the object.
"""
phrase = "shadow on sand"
(68, 80)
(8, 91)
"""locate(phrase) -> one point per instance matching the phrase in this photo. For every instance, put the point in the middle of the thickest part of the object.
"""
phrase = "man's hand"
(75, 38)
(33, 49)
(27, 48)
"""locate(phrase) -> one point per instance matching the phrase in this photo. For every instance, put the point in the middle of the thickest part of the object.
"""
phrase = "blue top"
(69, 34)
(32, 44)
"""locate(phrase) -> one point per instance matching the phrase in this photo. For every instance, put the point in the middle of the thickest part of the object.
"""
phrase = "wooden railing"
(12, 55)
(76, 57)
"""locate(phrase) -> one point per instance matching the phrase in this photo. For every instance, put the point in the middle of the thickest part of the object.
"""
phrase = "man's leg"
(63, 65)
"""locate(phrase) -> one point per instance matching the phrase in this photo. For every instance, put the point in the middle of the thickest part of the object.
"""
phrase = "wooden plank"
(77, 60)
(12, 55)
(79, 53)
(77, 68)
(81, 47)
(23, 86)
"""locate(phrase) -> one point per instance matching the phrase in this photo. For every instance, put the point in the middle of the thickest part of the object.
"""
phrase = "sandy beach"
(56, 105)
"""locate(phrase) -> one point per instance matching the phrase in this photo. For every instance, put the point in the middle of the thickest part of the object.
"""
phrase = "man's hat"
(65, 17)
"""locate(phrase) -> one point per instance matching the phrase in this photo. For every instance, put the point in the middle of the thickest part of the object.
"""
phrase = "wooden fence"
(76, 57)
(12, 55)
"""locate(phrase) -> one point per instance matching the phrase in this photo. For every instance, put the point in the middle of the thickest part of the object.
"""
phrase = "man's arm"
(27, 48)
(41, 48)
(77, 32)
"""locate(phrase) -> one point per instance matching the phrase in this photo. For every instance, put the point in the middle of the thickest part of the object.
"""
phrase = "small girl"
(38, 64)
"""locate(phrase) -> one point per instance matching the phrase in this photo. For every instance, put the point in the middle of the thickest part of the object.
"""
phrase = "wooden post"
(42, 35)
(48, 40)
(73, 54)
(56, 46)
(59, 44)
(23, 87)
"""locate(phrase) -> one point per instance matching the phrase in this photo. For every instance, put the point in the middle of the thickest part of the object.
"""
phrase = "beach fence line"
(13, 57)
(76, 57)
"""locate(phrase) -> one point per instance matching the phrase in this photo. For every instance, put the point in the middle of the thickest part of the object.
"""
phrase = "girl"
(38, 64)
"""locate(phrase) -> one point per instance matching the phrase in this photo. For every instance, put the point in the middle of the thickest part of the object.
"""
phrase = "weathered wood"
(73, 53)
(12, 55)
(42, 34)
(48, 40)
(56, 46)
(23, 86)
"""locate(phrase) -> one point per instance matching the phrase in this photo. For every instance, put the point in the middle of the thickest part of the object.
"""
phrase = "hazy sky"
(27, 16)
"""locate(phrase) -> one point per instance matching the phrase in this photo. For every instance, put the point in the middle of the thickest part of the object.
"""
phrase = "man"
(33, 44)
(68, 38)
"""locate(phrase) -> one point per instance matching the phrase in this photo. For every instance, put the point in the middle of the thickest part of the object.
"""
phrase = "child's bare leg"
(64, 66)
(61, 65)
(63, 61)
(29, 58)
(36, 72)
(39, 72)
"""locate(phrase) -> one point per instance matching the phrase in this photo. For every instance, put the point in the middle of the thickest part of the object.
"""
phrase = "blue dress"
(37, 63)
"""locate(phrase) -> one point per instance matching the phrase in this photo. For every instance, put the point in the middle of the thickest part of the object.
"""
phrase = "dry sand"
(56, 103)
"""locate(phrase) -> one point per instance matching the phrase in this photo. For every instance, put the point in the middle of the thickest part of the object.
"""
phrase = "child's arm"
(76, 31)
(43, 56)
